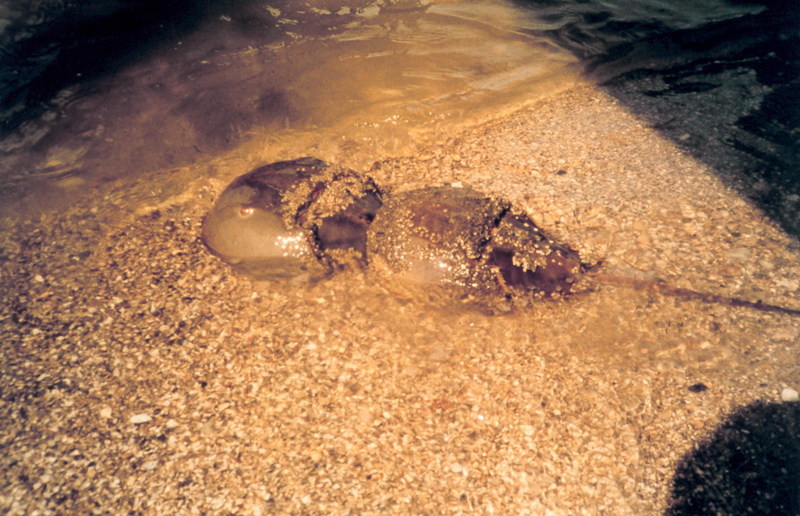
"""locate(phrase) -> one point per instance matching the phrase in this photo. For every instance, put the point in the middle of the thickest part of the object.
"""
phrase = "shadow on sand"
(749, 465)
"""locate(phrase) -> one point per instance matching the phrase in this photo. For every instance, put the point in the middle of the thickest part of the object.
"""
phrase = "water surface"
(721, 78)
(349, 84)
(103, 91)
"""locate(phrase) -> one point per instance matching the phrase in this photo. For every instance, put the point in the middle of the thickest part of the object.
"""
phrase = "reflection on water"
(345, 84)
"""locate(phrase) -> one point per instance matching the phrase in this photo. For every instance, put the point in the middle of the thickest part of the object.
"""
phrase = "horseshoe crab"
(469, 245)
(292, 218)
(307, 218)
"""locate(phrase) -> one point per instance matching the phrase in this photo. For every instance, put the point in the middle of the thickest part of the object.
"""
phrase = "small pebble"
(698, 387)
(138, 419)
(789, 394)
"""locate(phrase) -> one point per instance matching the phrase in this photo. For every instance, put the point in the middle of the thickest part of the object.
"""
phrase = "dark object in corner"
(749, 465)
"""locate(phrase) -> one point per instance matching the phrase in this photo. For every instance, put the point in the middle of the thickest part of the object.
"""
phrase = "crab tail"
(684, 293)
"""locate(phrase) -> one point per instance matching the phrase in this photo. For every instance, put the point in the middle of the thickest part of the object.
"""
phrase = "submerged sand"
(141, 374)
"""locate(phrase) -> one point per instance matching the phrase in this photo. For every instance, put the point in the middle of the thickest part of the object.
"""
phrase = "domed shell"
(291, 218)
(460, 244)
(436, 237)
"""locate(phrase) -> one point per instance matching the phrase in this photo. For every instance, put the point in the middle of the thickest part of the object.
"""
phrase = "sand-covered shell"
(291, 218)
(436, 238)
(455, 242)
(307, 218)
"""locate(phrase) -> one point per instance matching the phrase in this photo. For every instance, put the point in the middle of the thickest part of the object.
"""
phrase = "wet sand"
(141, 374)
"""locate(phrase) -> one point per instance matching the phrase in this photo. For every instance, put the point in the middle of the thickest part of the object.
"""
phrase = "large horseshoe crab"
(307, 218)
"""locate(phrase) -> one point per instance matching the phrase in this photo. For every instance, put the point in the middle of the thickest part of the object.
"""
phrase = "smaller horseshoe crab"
(470, 246)
(291, 218)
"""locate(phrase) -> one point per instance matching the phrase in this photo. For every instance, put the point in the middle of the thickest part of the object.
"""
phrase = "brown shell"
(470, 245)
(530, 261)
(291, 218)
(436, 237)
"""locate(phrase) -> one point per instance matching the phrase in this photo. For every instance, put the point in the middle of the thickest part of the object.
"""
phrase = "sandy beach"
(142, 375)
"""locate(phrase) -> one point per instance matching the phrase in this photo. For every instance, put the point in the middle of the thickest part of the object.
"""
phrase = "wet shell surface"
(436, 237)
(469, 245)
(528, 260)
(291, 218)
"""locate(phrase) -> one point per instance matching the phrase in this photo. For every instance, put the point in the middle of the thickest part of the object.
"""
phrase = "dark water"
(722, 79)
(51, 45)
(111, 88)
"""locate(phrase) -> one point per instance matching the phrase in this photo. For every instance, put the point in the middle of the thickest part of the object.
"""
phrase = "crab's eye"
(246, 211)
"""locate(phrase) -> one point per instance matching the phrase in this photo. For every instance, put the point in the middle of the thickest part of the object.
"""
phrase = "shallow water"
(348, 85)
(103, 92)
(254, 83)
